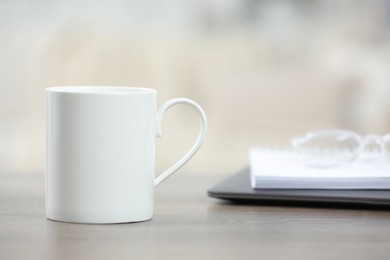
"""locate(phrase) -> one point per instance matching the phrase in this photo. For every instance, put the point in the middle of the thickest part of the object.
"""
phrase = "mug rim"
(106, 90)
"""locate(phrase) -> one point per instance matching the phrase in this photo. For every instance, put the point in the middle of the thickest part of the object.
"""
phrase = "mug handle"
(202, 134)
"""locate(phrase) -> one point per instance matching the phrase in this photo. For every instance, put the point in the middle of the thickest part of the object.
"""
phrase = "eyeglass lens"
(328, 148)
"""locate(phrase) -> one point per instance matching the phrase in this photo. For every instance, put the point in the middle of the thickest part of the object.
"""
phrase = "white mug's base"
(98, 223)
(99, 220)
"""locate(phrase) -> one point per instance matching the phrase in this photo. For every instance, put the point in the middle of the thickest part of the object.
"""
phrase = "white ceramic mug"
(100, 152)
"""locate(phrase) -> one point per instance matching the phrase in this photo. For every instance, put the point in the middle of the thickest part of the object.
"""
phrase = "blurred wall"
(264, 71)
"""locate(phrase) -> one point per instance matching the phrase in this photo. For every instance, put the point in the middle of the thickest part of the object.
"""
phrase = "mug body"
(100, 154)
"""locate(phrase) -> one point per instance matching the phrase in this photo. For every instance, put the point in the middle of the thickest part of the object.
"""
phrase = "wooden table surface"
(189, 225)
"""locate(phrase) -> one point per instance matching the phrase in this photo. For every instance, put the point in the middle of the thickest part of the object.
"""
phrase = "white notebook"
(277, 169)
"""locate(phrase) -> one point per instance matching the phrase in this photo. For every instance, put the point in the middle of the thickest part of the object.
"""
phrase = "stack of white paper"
(271, 169)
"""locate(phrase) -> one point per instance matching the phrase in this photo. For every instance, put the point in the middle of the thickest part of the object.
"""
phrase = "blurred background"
(263, 70)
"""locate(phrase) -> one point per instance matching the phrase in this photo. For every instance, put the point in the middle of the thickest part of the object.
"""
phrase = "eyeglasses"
(334, 147)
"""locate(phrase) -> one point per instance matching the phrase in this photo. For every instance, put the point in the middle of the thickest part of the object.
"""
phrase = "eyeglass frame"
(363, 140)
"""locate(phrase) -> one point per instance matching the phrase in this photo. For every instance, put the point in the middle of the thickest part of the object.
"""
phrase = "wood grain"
(189, 225)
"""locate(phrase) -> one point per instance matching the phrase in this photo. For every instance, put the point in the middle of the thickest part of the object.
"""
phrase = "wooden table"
(189, 225)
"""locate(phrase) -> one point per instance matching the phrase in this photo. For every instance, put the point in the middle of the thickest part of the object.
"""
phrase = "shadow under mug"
(100, 152)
